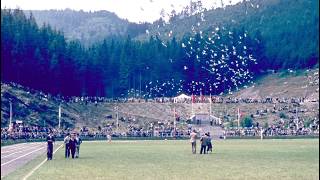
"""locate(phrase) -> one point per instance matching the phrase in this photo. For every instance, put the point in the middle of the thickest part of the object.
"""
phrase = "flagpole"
(59, 116)
(210, 105)
(192, 104)
(238, 118)
(174, 121)
(10, 120)
(117, 119)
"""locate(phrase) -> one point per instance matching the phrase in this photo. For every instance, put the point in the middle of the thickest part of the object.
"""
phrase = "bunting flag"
(176, 115)
(201, 97)
(240, 113)
(193, 98)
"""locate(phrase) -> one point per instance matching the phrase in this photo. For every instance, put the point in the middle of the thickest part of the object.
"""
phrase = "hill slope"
(288, 29)
(36, 107)
(87, 27)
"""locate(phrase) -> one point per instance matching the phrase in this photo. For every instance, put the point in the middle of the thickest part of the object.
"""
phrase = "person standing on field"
(66, 144)
(50, 141)
(78, 142)
(109, 137)
(72, 145)
(193, 140)
(204, 142)
(209, 144)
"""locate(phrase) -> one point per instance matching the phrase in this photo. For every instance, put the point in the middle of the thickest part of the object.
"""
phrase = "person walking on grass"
(203, 141)
(209, 144)
(50, 141)
(109, 137)
(72, 145)
(66, 145)
(78, 142)
(193, 140)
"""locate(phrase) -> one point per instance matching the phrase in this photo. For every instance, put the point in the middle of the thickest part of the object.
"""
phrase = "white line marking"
(37, 167)
(21, 156)
(18, 145)
(12, 146)
(25, 149)
(12, 150)
(116, 141)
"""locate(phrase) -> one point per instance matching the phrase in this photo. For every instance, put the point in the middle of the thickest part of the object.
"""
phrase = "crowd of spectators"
(281, 128)
(157, 129)
(192, 99)
(160, 129)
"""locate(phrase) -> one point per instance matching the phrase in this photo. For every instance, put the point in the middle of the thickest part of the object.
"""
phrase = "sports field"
(231, 159)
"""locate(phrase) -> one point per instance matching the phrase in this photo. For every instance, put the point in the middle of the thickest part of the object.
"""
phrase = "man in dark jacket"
(203, 141)
(50, 141)
(209, 144)
(72, 145)
(66, 144)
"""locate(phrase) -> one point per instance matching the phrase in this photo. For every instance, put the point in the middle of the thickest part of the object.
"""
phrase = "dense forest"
(214, 59)
(288, 28)
(87, 27)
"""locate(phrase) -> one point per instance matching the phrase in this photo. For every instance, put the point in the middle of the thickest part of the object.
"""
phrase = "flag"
(201, 97)
(240, 113)
(193, 98)
(176, 115)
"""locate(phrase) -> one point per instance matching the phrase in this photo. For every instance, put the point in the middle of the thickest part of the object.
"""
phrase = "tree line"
(41, 58)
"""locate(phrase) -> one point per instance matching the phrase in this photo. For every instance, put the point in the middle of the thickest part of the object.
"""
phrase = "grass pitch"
(231, 159)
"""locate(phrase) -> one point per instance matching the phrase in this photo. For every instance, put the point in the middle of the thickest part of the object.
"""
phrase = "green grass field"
(231, 159)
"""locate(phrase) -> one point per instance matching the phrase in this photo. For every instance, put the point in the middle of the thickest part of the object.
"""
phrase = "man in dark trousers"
(66, 144)
(209, 144)
(72, 145)
(78, 142)
(50, 141)
(203, 141)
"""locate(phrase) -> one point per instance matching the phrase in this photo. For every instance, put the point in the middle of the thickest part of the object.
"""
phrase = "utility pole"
(238, 118)
(140, 86)
(59, 116)
(297, 118)
(210, 105)
(117, 109)
(174, 122)
(10, 120)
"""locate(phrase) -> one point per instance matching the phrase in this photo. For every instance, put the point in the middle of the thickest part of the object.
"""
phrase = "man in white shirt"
(193, 137)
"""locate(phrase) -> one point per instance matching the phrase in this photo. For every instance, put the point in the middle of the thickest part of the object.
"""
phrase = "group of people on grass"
(71, 142)
(72, 145)
(205, 141)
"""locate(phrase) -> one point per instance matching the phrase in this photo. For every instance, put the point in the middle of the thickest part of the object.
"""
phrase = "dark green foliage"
(283, 115)
(266, 125)
(280, 34)
(246, 122)
(87, 27)
(288, 29)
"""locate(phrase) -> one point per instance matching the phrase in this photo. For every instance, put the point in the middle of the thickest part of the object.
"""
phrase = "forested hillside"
(287, 28)
(87, 27)
(42, 59)
(226, 49)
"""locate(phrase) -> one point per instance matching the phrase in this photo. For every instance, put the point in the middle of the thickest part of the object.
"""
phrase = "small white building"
(181, 98)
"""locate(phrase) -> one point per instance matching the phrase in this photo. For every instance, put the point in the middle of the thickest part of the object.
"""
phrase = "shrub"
(247, 122)
(283, 115)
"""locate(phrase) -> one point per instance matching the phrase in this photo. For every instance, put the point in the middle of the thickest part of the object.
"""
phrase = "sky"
(133, 10)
